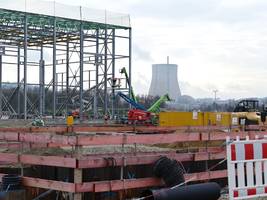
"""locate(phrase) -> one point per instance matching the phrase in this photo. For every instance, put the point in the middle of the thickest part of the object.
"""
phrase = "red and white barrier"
(247, 168)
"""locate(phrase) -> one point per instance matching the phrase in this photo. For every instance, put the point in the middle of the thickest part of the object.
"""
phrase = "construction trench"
(110, 162)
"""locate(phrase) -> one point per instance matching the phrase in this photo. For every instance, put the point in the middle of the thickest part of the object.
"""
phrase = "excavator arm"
(155, 108)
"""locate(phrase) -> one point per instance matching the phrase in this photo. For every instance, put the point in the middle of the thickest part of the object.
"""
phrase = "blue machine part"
(130, 101)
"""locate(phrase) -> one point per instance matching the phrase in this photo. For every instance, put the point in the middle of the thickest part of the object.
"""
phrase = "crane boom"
(155, 108)
(123, 71)
(130, 101)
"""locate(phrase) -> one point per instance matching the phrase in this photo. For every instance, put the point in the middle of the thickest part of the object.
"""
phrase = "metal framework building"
(54, 57)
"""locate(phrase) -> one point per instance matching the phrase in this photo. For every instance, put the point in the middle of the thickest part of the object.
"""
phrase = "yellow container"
(70, 120)
(217, 119)
(194, 118)
(181, 118)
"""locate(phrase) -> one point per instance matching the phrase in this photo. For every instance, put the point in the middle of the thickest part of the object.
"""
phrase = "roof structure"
(84, 47)
(41, 16)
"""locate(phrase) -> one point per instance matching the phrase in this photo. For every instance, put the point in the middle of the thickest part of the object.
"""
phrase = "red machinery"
(139, 116)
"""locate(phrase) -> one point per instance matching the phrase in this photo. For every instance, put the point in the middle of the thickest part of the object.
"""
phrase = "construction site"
(72, 128)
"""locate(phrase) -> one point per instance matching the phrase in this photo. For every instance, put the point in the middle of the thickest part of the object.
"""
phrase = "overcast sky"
(218, 44)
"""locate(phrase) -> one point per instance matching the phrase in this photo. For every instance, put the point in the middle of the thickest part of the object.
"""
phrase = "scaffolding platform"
(55, 58)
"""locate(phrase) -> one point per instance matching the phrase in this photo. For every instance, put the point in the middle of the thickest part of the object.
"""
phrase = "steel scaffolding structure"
(54, 64)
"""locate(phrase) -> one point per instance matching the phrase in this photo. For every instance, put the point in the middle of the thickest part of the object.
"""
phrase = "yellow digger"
(247, 112)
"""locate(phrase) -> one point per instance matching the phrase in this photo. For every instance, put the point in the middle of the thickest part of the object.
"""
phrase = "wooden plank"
(116, 185)
(118, 139)
(9, 157)
(210, 156)
(97, 161)
(202, 176)
(10, 145)
(158, 138)
(57, 161)
(141, 159)
(9, 136)
(46, 184)
(78, 179)
(120, 128)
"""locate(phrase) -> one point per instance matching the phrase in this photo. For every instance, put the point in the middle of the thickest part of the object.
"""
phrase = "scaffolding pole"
(54, 68)
(81, 72)
(41, 82)
(67, 73)
(96, 77)
(18, 82)
(130, 61)
(25, 65)
(105, 73)
(113, 73)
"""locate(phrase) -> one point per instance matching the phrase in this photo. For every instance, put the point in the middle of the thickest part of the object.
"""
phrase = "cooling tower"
(164, 80)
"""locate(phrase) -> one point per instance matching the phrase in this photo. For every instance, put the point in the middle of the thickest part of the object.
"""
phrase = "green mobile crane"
(138, 114)
(123, 71)
(155, 108)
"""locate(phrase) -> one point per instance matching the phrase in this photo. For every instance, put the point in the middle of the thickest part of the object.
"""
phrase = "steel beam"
(113, 74)
(130, 61)
(81, 72)
(18, 82)
(54, 69)
(96, 77)
(41, 82)
(106, 73)
(18, 33)
(25, 65)
(67, 71)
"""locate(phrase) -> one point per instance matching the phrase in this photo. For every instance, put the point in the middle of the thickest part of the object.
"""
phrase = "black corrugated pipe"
(11, 182)
(204, 191)
(170, 171)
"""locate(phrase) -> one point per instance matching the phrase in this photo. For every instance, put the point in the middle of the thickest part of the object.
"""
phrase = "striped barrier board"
(247, 168)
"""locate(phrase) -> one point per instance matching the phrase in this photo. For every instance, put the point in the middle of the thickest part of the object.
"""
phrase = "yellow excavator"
(248, 112)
